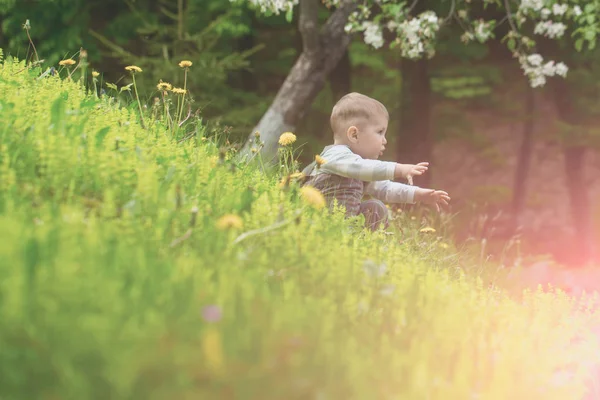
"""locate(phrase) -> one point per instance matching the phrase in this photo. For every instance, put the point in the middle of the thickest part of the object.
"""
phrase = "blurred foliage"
(135, 266)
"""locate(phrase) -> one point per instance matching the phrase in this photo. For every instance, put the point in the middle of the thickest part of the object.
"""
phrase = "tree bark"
(322, 51)
(341, 77)
(524, 161)
(582, 241)
(415, 142)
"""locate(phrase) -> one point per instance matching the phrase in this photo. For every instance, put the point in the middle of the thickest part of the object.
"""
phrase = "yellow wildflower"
(320, 160)
(444, 245)
(287, 138)
(313, 197)
(133, 68)
(179, 91)
(185, 64)
(229, 221)
(95, 74)
(67, 62)
(212, 348)
(296, 175)
(427, 229)
(164, 86)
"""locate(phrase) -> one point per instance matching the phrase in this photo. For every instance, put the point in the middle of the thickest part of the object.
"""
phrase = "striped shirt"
(376, 175)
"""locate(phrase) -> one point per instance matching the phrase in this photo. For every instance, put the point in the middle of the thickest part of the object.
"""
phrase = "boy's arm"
(341, 161)
(394, 192)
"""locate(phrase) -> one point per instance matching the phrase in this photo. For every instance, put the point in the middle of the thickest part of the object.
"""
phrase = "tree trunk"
(580, 204)
(321, 52)
(415, 142)
(582, 242)
(524, 160)
(341, 77)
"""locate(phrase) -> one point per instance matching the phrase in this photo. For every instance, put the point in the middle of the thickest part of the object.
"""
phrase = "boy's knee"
(376, 214)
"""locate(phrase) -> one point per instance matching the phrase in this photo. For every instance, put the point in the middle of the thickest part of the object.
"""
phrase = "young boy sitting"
(350, 169)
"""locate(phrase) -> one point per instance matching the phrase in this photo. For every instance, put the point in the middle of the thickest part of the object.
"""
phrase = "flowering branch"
(415, 35)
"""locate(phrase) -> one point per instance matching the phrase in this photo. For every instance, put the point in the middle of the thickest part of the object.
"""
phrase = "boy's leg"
(375, 213)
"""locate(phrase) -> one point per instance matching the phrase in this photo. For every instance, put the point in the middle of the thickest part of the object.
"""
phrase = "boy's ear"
(352, 134)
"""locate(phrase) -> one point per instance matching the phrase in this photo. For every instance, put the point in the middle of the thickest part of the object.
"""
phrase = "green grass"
(110, 252)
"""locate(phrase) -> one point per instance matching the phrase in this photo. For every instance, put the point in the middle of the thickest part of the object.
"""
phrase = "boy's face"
(370, 139)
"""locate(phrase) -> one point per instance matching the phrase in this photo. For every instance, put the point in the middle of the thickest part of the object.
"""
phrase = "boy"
(350, 167)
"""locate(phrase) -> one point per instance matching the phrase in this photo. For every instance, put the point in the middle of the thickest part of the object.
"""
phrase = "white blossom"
(535, 60)
(559, 9)
(549, 69)
(275, 6)
(550, 29)
(373, 35)
(534, 67)
(577, 11)
(561, 69)
(482, 31)
(535, 5)
(545, 13)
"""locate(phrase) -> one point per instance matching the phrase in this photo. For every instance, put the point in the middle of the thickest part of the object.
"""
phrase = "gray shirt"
(346, 176)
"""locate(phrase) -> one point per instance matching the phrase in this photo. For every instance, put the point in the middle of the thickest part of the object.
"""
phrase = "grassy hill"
(136, 265)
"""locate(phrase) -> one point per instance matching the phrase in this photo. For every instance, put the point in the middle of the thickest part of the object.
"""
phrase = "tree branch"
(451, 12)
(412, 6)
(308, 26)
(333, 30)
(508, 14)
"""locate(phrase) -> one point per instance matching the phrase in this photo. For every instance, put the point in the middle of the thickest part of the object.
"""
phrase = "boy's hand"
(407, 171)
(434, 197)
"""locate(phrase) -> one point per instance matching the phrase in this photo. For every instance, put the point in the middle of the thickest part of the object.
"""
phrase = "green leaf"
(592, 45)
(100, 135)
(579, 44)
(57, 111)
(126, 87)
(289, 14)
(511, 44)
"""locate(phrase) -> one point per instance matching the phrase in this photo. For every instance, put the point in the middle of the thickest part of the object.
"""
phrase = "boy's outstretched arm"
(407, 171)
(395, 192)
(436, 198)
(340, 160)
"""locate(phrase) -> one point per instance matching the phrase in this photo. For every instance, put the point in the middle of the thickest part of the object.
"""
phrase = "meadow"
(143, 260)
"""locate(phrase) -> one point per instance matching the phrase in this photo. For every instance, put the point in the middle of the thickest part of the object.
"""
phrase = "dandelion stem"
(183, 97)
(37, 58)
(138, 101)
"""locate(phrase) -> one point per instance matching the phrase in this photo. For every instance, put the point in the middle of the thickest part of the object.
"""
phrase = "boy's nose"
(384, 141)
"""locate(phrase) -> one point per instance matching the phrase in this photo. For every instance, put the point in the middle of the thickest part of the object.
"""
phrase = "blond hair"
(354, 109)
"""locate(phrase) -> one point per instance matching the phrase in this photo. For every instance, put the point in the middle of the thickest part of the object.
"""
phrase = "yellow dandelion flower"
(320, 160)
(287, 138)
(229, 221)
(67, 62)
(185, 64)
(444, 245)
(164, 86)
(133, 68)
(313, 197)
(296, 175)
(179, 91)
(95, 74)
(427, 229)
(212, 348)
